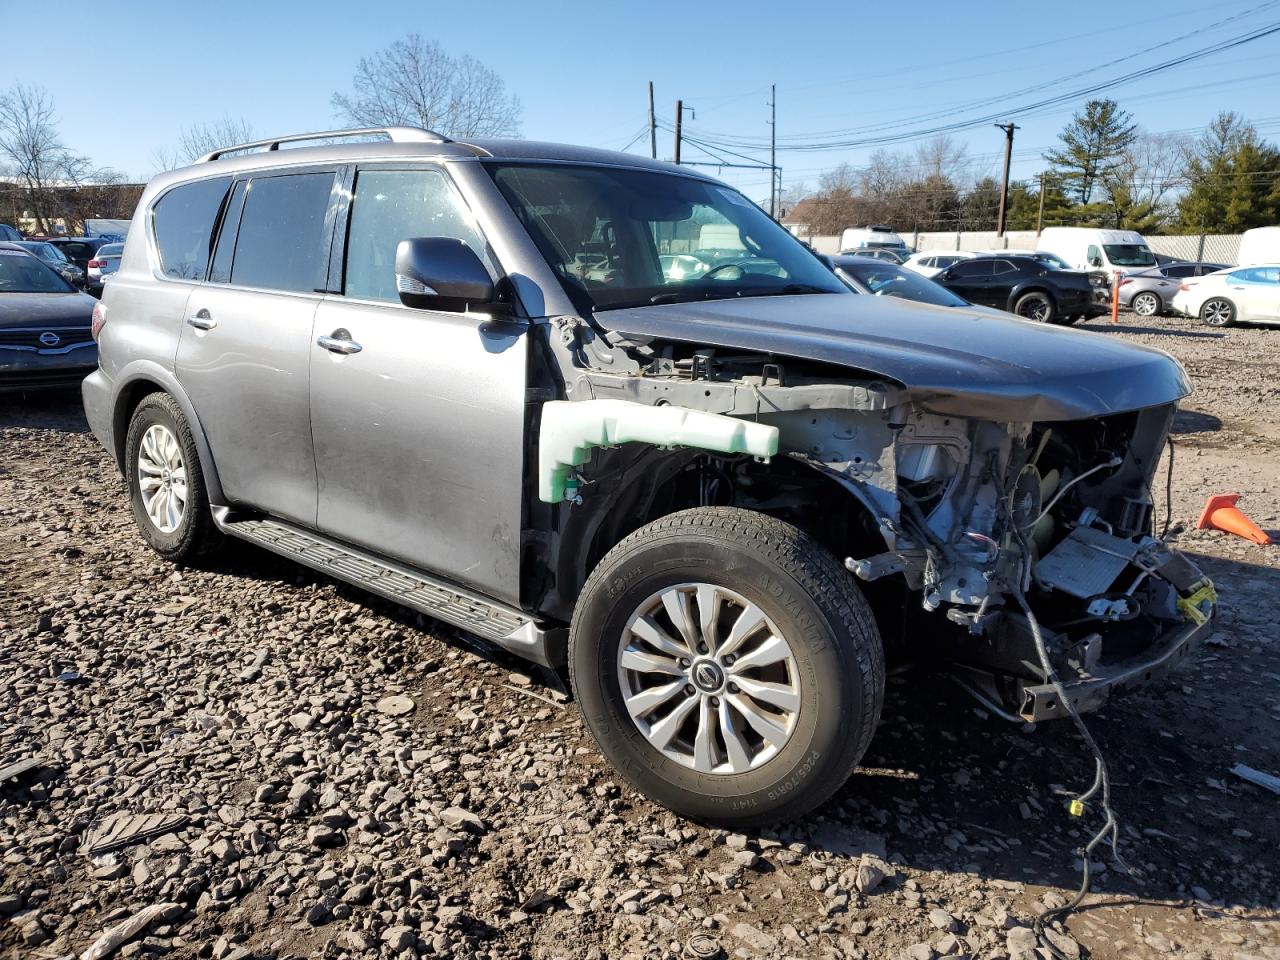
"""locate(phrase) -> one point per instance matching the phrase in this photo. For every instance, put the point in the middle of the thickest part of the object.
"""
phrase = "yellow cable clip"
(1076, 807)
(1190, 604)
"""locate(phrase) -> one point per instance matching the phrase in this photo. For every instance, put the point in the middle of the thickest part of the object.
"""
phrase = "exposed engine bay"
(979, 521)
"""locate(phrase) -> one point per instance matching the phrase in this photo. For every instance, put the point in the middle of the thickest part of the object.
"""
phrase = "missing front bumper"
(1041, 701)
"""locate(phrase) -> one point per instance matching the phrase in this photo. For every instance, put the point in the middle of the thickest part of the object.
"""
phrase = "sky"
(127, 83)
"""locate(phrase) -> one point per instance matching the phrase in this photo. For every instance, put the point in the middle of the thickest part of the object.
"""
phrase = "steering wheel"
(723, 266)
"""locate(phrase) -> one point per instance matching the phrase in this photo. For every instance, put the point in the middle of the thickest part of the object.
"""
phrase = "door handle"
(339, 342)
(1234, 287)
(201, 320)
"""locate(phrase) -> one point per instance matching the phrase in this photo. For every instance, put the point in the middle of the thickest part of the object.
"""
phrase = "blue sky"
(580, 69)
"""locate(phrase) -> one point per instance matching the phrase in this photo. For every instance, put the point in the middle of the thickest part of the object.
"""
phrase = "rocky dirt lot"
(329, 775)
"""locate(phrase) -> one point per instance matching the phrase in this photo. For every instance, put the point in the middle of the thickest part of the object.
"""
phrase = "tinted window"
(282, 243)
(220, 270)
(890, 280)
(183, 222)
(972, 268)
(1182, 270)
(395, 205)
(1207, 268)
(22, 273)
(1003, 266)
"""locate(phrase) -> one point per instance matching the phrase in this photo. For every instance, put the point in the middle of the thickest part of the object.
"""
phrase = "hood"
(952, 360)
(41, 309)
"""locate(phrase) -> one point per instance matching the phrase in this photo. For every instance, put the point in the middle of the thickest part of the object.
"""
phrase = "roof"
(416, 148)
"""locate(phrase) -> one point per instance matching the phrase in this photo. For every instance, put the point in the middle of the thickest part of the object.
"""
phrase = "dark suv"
(457, 375)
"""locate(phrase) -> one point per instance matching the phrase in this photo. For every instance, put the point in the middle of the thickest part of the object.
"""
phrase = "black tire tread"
(818, 573)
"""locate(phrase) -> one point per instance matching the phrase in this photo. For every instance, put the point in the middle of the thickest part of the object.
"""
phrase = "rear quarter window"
(183, 222)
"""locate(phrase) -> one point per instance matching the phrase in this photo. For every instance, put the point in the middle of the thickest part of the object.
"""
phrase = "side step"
(511, 629)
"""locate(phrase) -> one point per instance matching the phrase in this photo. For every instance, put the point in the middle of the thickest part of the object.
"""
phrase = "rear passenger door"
(246, 338)
(419, 436)
(971, 279)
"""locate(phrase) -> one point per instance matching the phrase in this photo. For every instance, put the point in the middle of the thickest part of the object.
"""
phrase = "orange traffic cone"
(1220, 513)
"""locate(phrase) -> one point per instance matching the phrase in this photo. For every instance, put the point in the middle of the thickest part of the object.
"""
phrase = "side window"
(978, 267)
(1177, 272)
(1003, 266)
(395, 205)
(1094, 254)
(1247, 276)
(220, 271)
(282, 243)
(183, 223)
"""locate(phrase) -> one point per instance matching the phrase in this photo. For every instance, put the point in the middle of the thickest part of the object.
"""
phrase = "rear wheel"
(1146, 304)
(1218, 312)
(727, 665)
(1036, 305)
(166, 485)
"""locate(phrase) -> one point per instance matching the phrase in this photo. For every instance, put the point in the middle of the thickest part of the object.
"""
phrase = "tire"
(1218, 312)
(835, 670)
(1036, 305)
(1146, 304)
(158, 423)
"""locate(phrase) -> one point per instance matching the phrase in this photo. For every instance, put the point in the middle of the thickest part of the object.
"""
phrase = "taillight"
(98, 320)
(1184, 286)
(1125, 282)
(98, 263)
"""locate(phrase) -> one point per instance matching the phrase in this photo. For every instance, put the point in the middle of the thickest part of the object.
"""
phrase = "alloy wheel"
(162, 478)
(1216, 313)
(1035, 307)
(708, 679)
(1146, 305)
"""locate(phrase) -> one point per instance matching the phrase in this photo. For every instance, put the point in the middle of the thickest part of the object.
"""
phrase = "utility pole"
(1040, 215)
(773, 151)
(653, 127)
(679, 118)
(1008, 129)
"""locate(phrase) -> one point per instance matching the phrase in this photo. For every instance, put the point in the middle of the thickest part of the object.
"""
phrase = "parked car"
(1150, 292)
(1087, 248)
(870, 276)
(873, 237)
(1024, 286)
(9, 233)
(54, 258)
(1237, 295)
(44, 325)
(930, 263)
(104, 263)
(887, 254)
(79, 250)
(378, 360)
(1044, 256)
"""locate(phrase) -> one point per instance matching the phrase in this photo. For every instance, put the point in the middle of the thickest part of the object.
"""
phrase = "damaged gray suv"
(607, 414)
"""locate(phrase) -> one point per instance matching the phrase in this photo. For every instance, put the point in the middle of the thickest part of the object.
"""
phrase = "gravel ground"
(336, 776)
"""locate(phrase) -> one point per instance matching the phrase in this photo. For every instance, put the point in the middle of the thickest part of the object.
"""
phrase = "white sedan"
(1245, 294)
(930, 263)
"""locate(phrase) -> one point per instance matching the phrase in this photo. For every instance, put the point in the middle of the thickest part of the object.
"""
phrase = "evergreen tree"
(1091, 143)
(1234, 181)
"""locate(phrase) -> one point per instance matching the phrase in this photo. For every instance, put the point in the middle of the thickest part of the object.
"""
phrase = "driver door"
(418, 430)
(971, 279)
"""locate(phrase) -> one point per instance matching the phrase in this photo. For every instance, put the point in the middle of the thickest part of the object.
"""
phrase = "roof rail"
(394, 134)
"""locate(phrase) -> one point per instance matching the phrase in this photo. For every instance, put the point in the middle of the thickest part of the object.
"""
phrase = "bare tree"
(942, 157)
(201, 138)
(414, 82)
(31, 146)
(1142, 183)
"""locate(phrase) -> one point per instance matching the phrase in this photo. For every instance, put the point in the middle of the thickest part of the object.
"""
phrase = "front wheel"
(1218, 312)
(727, 665)
(1036, 305)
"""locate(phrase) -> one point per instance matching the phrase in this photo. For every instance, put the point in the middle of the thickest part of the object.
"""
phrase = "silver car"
(458, 375)
(1151, 292)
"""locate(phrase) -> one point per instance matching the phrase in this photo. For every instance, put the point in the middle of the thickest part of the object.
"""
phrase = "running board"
(505, 626)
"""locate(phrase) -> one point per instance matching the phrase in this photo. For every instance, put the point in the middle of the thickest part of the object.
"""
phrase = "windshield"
(890, 280)
(23, 273)
(624, 238)
(1129, 255)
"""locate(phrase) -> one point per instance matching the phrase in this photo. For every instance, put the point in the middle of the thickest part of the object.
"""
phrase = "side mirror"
(944, 275)
(441, 273)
